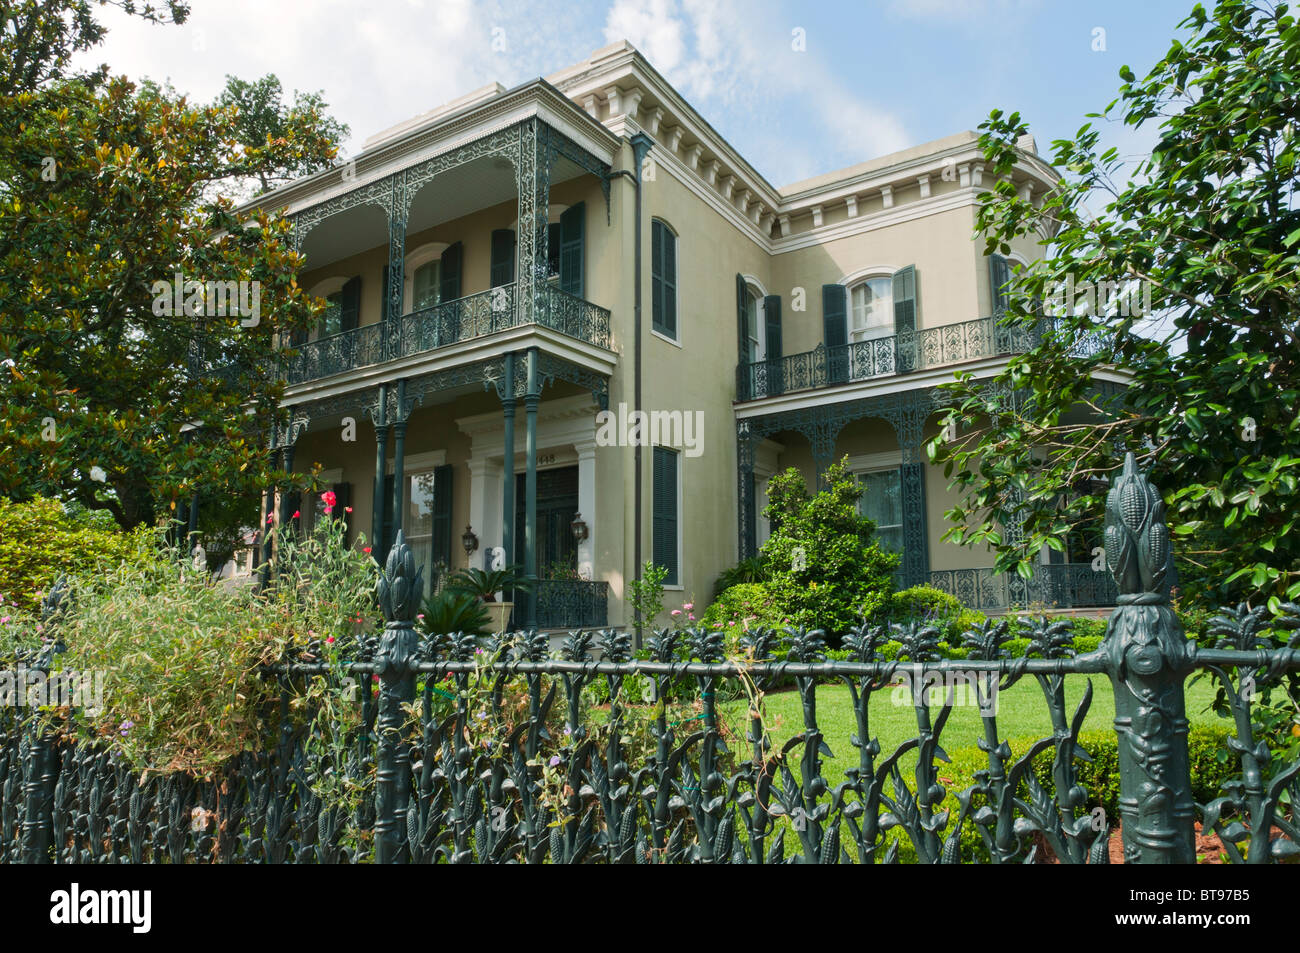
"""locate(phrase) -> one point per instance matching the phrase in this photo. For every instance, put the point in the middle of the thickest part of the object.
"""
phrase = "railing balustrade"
(1053, 586)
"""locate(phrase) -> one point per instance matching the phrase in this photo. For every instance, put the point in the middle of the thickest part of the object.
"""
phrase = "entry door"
(557, 505)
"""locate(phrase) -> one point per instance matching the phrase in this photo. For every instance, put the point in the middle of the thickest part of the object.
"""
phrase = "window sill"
(663, 337)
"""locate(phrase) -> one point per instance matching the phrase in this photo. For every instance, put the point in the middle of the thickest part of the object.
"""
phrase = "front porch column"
(532, 397)
(508, 477)
(484, 480)
(379, 414)
(587, 507)
(399, 459)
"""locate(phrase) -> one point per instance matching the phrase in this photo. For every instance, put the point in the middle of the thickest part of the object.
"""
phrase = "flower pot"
(499, 614)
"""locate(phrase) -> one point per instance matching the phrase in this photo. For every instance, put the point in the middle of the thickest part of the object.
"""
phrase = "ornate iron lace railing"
(572, 604)
(899, 353)
(449, 322)
(505, 761)
(1059, 586)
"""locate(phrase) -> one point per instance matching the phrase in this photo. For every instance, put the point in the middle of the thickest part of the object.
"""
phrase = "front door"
(557, 505)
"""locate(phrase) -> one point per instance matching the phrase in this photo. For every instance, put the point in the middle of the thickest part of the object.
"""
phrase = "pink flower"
(677, 612)
(688, 606)
(270, 518)
(347, 509)
(329, 499)
(330, 640)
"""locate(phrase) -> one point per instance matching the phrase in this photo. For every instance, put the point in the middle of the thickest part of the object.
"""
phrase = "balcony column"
(508, 478)
(402, 414)
(379, 414)
(532, 397)
(533, 181)
(909, 424)
(396, 266)
(587, 507)
(745, 487)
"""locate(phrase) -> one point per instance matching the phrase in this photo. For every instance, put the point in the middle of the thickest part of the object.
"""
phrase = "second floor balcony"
(450, 322)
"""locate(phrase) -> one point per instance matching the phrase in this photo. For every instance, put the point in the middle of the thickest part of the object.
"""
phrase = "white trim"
(760, 315)
(875, 462)
(328, 286)
(413, 463)
(665, 338)
(874, 271)
(899, 213)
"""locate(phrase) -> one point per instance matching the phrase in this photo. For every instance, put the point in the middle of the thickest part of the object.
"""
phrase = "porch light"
(469, 541)
(578, 527)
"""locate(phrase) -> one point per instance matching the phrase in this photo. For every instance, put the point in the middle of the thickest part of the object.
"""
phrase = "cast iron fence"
(1053, 585)
(571, 603)
(516, 768)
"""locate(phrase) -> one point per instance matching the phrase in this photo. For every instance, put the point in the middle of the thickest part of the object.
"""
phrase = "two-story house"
(511, 277)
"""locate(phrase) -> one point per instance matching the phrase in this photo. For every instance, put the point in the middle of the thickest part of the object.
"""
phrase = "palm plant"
(453, 611)
(484, 584)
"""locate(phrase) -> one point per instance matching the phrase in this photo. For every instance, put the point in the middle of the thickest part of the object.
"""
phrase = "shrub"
(742, 607)
(825, 571)
(748, 570)
(41, 541)
(922, 602)
(645, 596)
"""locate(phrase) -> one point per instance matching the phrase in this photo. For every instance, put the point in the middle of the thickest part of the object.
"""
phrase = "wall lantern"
(469, 541)
(578, 527)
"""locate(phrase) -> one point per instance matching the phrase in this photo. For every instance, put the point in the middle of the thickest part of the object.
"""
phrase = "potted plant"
(485, 584)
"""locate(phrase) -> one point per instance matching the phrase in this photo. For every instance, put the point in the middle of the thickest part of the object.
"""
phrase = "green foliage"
(41, 541)
(454, 611)
(486, 583)
(920, 602)
(742, 607)
(181, 654)
(646, 595)
(748, 570)
(110, 190)
(1211, 224)
(825, 571)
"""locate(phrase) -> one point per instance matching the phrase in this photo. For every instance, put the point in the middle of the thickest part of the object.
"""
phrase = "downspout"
(641, 144)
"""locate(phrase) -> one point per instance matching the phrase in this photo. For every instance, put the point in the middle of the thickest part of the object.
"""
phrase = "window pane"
(751, 319)
(331, 319)
(882, 502)
(872, 309)
(419, 504)
(426, 285)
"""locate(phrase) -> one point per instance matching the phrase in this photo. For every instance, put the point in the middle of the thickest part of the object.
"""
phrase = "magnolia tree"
(1206, 231)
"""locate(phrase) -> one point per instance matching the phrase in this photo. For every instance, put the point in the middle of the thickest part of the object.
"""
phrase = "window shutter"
(670, 282)
(665, 512)
(999, 275)
(350, 309)
(835, 332)
(742, 321)
(449, 273)
(572, 224)
(442, 477)
(906, 302)
(663, 279)
(503, 257)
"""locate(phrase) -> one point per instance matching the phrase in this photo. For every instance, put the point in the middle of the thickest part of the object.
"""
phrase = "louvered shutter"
(665, 512)
(350, 304)
(835, 332)
(442, 478)
(449, 273)
(905, 316)
(772, 342)
(503, 257)
(572, 227)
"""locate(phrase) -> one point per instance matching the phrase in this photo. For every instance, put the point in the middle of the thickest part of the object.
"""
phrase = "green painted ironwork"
(1055, 585)
(482, 750)
(572, 603)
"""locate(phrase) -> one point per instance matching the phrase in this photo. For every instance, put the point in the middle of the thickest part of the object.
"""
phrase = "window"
(871, 314)
(754, 350)
(663, 279)
(665, 522)
(331, 319)
(428, 521)
(427, 285)
(882, 502)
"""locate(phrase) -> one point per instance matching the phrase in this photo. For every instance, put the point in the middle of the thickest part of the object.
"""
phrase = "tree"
(823, 568)
(1208, 224)
(122, 393)
(262, 117)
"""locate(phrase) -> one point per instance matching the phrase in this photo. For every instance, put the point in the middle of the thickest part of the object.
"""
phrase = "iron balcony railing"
(899, 353)
(1060, 585)
(571, 603)
(451, 322)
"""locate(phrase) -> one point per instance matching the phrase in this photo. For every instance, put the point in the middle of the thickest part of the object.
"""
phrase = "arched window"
(663, 279)
(753, 323)
(871, 308)
(425, 285)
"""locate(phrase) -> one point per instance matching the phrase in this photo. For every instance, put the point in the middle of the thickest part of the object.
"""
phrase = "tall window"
(426, 284)
(871, 314)
(665, 522)
(428, 521)
(331, 319)
(753, 352)
(882, 502)
(663, 279)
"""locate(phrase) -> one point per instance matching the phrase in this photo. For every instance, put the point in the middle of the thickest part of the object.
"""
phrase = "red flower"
(270, 518)
(329, 499)
(347, 509)
(296, 514)
(365, 549)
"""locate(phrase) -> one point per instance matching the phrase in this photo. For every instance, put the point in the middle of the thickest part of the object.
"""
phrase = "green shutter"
(449, 273)
(835, 332)
(999, 275)
(663, 279)
(670, 282)
(665, 512)
(503, 257)
(746, 383)
(350, 309)
(906, 307)
(571, 249)
(772, 344)
(442, 478)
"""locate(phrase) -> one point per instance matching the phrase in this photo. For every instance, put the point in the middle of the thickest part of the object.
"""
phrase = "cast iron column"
(379, 414)
(1148, 658)
(532, 397)
(508, 487)
(399, 456)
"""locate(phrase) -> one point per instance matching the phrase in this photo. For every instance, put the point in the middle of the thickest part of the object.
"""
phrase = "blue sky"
(875, 76)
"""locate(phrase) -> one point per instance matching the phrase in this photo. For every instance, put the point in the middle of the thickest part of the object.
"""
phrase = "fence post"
(1147, 659)
(400, 587)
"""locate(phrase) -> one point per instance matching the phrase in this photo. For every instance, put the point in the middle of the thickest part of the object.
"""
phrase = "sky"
(799, 88)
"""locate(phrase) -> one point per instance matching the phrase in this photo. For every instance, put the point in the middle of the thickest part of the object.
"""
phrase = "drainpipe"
(641, 144)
